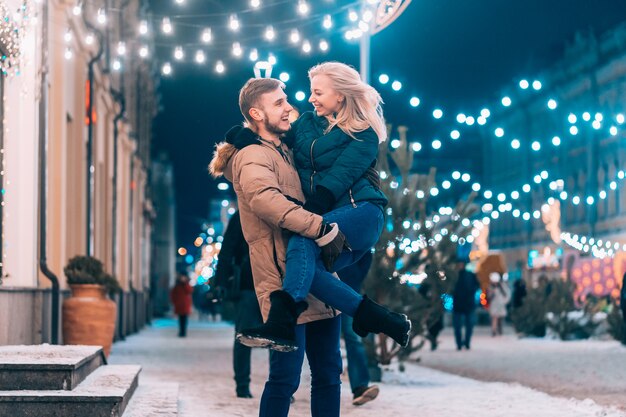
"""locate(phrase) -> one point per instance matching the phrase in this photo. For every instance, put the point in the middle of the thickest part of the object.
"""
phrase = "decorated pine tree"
(414, 260)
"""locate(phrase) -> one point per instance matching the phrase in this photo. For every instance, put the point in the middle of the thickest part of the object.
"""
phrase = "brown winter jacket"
(262, 177)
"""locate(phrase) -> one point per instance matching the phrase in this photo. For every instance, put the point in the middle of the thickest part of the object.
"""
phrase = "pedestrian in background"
(358, 370)
(234, 276)
(180, 296)
(464, 306)
(498, 295)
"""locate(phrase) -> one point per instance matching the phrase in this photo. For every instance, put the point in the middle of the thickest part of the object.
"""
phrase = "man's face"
(274, 109)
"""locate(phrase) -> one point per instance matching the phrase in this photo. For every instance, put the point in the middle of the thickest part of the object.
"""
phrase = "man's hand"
(332, 242)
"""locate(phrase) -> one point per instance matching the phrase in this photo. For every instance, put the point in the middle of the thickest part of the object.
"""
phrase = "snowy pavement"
(202, 366)
(580, 369)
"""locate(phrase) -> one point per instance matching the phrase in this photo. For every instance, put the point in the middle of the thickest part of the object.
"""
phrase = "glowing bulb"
(436, 144)
(269, 33)
(255, 4)
(523, 84)
(300, 96)
(437, 113)
(200, 57)
(536, 146)
(499, 132)
(237, 51)
(167, 69)
(416, 146)
(323, 45)
(68, 53)
(179, 54)
(284, 77)
(294, 37)
(121, 48)
(303, 8)
(552, 104)
(396, 85)
(506, 101)
(143, 51)
(455, 134)
(327, 23)
(68, 36)
(219, 67)
(77, 10)
(117, 65)
(515, 144)
(414, 102)
(537, 85)
(89, 39)
(254, 55)
(383, 78)
(233, 22)
(353, 16)
(306, 47)
(102, 17)
(166, 26)
(207, 35)
(271, 59)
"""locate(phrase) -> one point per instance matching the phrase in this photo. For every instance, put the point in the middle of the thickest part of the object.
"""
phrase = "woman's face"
(324, 97)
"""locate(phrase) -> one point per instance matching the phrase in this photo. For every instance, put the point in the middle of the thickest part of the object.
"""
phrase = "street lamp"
(387, 11)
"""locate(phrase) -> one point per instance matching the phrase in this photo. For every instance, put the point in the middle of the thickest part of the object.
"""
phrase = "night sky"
(457, 55)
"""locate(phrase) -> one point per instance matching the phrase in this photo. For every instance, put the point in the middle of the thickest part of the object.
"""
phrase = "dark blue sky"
(454, 54)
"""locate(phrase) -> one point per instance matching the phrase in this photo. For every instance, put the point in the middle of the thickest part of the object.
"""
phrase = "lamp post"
(383, 13)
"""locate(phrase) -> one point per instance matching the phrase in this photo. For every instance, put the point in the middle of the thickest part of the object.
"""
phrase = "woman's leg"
(303, 254)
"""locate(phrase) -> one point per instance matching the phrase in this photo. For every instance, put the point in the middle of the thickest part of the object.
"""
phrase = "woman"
(334, 148)
(499, 295)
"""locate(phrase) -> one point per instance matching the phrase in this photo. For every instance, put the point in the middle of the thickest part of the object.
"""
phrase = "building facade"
(76, 129)
(554, 158)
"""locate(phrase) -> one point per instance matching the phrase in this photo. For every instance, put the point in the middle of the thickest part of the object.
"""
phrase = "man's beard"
(274, 128)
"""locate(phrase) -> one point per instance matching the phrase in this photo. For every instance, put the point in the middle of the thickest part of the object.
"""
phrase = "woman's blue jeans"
(306, 273)
(320, 340)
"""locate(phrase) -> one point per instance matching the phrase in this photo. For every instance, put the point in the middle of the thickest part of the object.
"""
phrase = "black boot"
(278, 332)
(374, 318)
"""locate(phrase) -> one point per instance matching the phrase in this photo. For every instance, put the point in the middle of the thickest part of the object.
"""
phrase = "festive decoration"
(12, 28)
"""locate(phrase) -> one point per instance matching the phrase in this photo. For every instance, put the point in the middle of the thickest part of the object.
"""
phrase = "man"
(268, 190)
(180, 295)
(464, 305)
(234, 274)
(358, 369)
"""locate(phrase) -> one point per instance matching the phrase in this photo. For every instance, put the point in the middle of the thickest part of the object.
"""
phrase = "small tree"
(414, 243)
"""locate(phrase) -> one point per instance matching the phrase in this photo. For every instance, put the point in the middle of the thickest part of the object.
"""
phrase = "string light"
(102, 17)
(323, 45)
(327, 22)
(237, 51)
(143, 27)
(219, 67)
(269, 33)
(207, 36)
(200, 57)
(254, 55)
(255, 4)
(233, 23)
(167, 68)
(294, 37)
(303, 7)
(166, 26)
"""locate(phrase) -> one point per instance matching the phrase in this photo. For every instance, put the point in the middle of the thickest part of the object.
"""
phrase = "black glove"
(332, 242)
(321, 202)
(240, 137)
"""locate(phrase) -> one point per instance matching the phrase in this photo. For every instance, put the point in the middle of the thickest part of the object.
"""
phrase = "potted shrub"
(89, 315)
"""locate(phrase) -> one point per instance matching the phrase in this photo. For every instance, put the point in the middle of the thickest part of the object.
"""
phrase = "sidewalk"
(202, 365)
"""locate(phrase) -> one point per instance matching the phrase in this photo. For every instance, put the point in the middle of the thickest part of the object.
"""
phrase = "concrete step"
(104, 393)
(154, 401)
(47, 367)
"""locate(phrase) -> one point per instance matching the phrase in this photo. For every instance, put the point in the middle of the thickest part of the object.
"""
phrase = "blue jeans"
(306, 272)
(458, 321)
(358, 372)
(320, 340)
(248, 316)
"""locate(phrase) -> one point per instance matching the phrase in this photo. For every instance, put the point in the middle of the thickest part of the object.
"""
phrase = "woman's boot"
(279, 331)
(374, 318)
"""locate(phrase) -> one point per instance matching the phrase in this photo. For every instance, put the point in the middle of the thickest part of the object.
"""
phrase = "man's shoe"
(364, 395)
(244, 393)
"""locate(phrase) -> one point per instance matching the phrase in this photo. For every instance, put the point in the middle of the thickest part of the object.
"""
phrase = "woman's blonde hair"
(362, 105)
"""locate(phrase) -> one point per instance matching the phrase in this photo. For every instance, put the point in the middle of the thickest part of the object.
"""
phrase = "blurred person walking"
(234, 276)
(464, 306)
(180, 295)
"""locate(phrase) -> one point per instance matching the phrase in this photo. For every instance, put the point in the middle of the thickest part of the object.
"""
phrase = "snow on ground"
(202, 365)
(581, 369)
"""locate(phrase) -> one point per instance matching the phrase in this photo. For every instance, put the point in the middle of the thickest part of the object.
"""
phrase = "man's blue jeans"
(248, 316)
(320, 340)
(358, 372)
(306, 273)
(458, 321)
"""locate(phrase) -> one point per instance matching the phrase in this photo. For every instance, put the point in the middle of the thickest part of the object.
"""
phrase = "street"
(201, 365)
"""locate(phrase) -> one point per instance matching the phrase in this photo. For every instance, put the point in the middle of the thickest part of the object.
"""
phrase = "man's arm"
(259, 184)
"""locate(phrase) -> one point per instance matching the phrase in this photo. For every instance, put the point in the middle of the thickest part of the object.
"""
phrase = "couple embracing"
(309, 206)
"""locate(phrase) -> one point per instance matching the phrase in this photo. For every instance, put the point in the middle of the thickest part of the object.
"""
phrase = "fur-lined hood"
(221, 164)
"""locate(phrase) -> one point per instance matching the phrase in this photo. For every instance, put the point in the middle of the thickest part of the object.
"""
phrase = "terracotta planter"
(89, 317)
